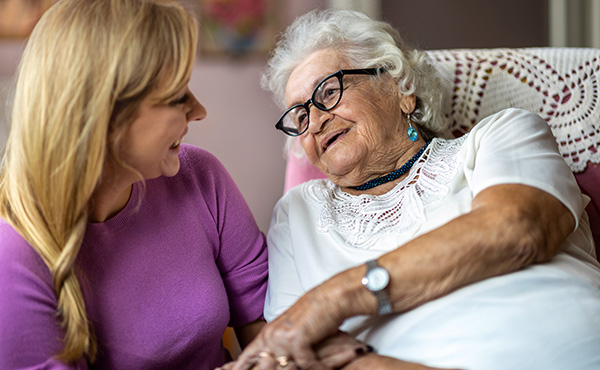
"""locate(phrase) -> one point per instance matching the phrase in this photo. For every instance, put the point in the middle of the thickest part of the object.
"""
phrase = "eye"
(181, 100)
(301, 120)
(328, 92)
(331, 92)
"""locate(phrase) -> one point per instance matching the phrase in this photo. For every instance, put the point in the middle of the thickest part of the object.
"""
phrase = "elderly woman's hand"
(340, 349)
(346, 353)
(334, 352)
(305, 336)
(293, 334)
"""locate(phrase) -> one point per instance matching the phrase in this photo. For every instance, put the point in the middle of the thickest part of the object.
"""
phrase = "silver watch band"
(384, 306)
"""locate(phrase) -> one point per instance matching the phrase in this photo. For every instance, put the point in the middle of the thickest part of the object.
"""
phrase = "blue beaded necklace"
(392, 175)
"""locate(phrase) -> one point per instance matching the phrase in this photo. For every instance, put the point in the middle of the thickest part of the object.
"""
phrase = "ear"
(408, 103)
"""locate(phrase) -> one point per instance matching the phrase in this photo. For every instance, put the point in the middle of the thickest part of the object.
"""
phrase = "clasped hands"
(306, 337)
(335, 352)
(340, 351)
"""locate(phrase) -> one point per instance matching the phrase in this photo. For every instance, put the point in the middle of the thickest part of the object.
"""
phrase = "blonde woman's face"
(151, 143)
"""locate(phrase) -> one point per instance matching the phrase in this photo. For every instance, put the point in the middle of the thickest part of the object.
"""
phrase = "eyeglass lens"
(325, 97)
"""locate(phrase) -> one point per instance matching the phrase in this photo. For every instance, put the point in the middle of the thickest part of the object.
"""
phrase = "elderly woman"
(470, 253)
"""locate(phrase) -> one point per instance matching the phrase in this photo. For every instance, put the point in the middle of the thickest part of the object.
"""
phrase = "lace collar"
(363, 219)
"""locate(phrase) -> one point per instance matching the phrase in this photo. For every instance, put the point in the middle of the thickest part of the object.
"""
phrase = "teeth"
(176, 144)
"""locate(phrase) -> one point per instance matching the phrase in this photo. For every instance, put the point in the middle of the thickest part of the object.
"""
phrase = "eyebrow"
(314, 84)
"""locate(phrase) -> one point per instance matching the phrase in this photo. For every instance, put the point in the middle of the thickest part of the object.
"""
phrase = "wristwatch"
(376, 280)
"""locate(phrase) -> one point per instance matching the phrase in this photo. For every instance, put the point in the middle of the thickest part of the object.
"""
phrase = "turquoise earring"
(413, 135)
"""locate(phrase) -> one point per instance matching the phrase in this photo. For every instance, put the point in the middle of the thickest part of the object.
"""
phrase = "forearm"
(509, 227)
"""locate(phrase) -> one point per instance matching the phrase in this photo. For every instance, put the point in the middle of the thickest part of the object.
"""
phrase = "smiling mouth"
(333, 138)
(177, 142)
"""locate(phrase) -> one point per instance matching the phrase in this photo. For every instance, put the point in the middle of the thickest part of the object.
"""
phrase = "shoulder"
(304, 203)
(13, 247)
(198, 158)
(511, 122)
(514, 114)
(202, 168)
(311, 191)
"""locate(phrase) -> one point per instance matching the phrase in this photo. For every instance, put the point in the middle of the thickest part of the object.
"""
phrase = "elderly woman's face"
(361, 136)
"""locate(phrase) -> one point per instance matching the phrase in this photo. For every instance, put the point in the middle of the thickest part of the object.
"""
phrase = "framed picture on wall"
(237, 28)
(18, 17)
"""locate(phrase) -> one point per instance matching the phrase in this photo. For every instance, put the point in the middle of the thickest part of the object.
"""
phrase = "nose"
(196, 111)
(318, 119)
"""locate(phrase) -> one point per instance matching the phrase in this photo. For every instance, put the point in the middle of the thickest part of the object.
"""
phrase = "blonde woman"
(120, 247)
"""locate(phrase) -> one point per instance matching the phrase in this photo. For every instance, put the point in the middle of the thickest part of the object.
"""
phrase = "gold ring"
(283, 361)
(265, 354)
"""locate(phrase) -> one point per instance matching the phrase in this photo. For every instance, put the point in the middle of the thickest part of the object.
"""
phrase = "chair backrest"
(559, 84)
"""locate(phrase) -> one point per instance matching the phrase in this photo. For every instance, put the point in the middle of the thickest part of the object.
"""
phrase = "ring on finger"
(265, 354)
(283, 361)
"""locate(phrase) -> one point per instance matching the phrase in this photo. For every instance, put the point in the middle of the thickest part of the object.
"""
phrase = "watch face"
(377, 279)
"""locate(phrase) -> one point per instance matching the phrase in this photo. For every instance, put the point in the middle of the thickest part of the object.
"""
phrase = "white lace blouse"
(543, 317)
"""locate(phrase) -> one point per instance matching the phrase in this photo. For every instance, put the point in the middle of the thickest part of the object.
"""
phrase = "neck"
(387, 178)
(111, 194)
(106, 205)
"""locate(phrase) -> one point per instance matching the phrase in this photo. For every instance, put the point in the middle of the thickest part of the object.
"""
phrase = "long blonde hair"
(86, 68)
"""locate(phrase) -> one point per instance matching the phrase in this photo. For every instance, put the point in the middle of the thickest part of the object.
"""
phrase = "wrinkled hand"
(375, 361)
(309, 321)
(333, 352)
(340, 349)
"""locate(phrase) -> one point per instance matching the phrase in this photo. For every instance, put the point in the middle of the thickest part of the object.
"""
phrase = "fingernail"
(370, 348)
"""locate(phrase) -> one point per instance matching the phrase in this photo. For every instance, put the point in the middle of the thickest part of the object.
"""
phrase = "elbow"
(535, 246)
(530, 225)
(537, 237)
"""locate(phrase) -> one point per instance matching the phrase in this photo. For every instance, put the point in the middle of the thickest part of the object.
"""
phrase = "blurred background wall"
(239, 128)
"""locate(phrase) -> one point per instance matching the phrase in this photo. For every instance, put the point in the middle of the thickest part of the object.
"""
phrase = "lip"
(180, 140)
(325, 142)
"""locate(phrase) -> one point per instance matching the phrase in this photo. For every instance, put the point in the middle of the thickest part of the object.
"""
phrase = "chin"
(171, 169)
(337, 169)
(171, 172)
(340, 160)
(170, 165)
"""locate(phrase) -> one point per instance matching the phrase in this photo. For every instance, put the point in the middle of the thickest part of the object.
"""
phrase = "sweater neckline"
(123, 216)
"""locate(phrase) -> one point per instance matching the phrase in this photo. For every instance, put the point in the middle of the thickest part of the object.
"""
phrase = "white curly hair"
(364, 43)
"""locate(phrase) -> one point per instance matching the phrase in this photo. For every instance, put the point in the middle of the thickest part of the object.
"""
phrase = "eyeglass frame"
(306, 105)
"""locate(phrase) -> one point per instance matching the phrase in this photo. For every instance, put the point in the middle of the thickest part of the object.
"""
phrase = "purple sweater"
(162, 279)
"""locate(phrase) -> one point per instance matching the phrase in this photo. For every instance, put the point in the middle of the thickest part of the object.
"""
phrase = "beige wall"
(442, 24)
(239, 130)
(239, 126)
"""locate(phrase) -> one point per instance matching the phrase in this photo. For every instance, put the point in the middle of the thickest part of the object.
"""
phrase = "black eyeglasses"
(326, 96)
